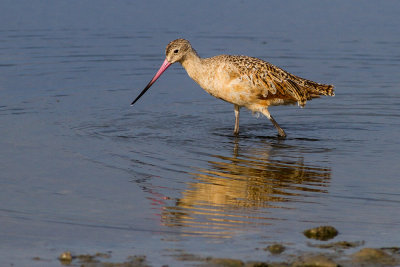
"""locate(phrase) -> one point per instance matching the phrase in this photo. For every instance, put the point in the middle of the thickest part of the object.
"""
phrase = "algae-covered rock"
(275, 248)
(321, 233)
(65, 258)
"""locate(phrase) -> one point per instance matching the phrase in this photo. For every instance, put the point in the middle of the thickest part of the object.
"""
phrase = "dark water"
(81, 170)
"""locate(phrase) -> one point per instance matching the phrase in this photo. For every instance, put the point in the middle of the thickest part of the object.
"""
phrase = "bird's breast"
(224, 83)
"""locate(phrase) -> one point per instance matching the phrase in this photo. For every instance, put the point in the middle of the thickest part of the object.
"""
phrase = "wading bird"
(241, 80)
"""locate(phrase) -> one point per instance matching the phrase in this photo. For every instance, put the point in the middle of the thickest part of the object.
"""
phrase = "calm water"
(81, 170)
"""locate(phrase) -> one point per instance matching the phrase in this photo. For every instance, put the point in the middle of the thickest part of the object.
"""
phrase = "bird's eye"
(176, 51)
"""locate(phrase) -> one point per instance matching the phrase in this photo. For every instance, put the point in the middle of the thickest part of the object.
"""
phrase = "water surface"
(81, 170)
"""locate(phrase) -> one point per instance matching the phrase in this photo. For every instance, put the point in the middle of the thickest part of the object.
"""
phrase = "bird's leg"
(281, 132)
(237, 109)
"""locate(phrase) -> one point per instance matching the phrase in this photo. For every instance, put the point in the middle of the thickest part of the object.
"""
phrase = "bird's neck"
(193, 65)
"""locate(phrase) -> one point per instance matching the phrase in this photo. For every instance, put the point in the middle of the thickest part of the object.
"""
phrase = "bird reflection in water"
(243, 189)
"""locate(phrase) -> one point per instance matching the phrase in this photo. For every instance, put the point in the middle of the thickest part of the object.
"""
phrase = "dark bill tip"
(163, 68)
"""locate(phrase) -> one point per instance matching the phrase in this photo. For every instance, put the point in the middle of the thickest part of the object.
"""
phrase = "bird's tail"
(322, 89)
(304, 90)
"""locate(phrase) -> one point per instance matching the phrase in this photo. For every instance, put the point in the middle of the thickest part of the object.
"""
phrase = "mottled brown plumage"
(243, 81)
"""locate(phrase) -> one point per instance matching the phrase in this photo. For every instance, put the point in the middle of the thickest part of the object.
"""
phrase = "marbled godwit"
(241, 80)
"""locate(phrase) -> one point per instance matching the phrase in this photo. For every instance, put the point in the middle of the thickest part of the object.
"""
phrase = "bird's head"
(177, 50)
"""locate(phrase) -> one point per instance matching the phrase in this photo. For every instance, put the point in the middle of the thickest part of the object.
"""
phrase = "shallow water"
(82, 170)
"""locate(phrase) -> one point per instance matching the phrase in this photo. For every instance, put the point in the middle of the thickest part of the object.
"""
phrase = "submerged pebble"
(224, 262)
(337, 245)
(315, 260)
(374, 256)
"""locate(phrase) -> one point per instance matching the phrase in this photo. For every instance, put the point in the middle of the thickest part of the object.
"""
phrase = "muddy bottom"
(339, 253)
(337, 257)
